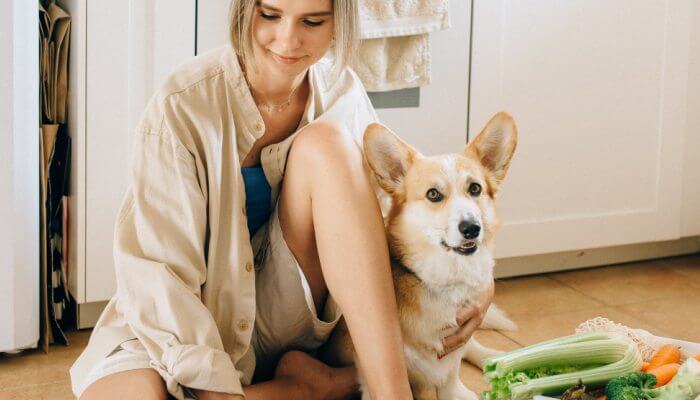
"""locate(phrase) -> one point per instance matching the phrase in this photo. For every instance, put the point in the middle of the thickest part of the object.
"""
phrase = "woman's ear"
(495, 145)
(388, 156)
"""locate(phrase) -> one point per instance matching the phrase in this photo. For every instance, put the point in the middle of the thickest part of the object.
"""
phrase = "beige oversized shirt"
(182, 251)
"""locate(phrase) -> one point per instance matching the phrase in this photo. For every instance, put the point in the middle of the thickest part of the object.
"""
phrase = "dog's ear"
(388, 156)
(495, 145)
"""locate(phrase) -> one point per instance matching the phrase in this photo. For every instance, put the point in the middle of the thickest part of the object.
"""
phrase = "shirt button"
(258, 127)
(243, 325)
(249, 266)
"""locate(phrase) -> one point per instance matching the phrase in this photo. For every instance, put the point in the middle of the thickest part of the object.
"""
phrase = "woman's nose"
(289, 37)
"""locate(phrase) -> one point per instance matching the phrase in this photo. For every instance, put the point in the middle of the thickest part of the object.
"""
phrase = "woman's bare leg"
(298, 377)
(144, 383)
(331, 221)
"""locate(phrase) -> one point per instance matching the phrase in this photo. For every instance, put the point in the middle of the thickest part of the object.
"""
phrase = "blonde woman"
(250, 224)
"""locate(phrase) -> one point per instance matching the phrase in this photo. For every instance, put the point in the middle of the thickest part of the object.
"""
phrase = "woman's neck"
(275, 89)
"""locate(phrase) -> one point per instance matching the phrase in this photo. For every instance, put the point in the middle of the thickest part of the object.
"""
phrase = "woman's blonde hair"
(345, 25)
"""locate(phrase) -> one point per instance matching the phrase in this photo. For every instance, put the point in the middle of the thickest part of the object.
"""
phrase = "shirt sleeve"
(159, 252)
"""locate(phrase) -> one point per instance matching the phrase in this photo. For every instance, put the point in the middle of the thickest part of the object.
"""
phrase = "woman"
(222, 270)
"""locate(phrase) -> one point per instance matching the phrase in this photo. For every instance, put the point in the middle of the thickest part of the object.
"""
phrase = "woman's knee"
(143, 383)
(326, 143)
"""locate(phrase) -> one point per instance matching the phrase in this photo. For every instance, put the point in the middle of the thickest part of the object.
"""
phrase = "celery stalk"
(553, 366)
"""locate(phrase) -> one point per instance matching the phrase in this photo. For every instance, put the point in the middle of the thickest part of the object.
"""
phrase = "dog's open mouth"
(465, 249)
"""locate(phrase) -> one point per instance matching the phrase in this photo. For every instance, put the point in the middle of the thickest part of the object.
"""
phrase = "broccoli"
(640, 386)
(635, 386)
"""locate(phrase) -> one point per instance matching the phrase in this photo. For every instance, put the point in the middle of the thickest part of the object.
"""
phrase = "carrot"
(645, 366)
(664, 373)
(601, 398)
(666, 354)
(697, 357)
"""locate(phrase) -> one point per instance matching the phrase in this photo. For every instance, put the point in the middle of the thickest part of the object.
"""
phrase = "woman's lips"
(285, 60)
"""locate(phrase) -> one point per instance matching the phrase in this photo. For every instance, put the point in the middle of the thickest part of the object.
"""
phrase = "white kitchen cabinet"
(599, 92)
(690, 207)
(120, 52)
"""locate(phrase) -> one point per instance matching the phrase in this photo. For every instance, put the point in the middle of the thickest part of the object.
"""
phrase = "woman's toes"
(316, 378)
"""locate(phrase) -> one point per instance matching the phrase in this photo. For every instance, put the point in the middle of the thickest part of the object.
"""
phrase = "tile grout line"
(620, 304)
(509, 338)
(579, 291)
(11, 388)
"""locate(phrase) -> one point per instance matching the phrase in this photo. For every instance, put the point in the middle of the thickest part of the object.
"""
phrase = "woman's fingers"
(468, 318)
(462, 335)
(464, 314)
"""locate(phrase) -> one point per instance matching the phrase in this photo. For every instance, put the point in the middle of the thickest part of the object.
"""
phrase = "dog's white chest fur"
(457, 282)
(439, 283)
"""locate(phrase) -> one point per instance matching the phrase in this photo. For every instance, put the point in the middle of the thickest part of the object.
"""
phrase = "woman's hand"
(469, 318)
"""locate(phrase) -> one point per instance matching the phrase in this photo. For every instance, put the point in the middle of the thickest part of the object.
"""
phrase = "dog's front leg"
(475, 352)
(454, 389)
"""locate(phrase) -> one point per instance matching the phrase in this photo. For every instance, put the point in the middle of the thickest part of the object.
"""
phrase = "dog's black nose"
(469, 230)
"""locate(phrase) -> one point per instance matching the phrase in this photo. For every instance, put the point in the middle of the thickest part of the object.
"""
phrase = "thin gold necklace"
(279, 107)
(270, 107)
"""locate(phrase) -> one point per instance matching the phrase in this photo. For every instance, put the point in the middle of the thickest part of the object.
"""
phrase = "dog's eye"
(433, 195)
(474, 189)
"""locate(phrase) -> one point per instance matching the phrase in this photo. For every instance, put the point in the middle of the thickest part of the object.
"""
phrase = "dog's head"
(442, 206)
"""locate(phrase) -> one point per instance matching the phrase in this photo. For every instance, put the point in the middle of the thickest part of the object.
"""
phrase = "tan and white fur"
(440, 230)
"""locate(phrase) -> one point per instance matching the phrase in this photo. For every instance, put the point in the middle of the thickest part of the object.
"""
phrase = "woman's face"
(291, 35)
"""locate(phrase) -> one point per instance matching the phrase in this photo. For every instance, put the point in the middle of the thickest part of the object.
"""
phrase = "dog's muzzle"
(466, 249)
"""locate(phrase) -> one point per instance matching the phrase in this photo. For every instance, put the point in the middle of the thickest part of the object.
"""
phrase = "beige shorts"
(286, 317)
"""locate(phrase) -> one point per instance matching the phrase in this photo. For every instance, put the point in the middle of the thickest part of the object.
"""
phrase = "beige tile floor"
(662, 296)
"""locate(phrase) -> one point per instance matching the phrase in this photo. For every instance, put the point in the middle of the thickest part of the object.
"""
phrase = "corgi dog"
(440, 229)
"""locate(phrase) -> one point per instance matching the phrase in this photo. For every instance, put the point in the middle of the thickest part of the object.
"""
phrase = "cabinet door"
(439, 123)
(690, 209)
(598, 90)
(161, 36)
(103, 150)
(131, 48)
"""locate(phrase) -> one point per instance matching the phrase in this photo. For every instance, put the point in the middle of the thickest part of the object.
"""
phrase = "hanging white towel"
(394, 63)
(381, 18)
(395, 47)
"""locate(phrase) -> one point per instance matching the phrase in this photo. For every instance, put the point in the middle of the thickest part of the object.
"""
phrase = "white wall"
(19, 175)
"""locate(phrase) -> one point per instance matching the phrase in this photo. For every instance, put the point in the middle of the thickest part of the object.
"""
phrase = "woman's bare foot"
(320, 380)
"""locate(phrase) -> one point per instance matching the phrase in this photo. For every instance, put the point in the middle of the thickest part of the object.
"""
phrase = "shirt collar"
(310, 109)
(253, 125)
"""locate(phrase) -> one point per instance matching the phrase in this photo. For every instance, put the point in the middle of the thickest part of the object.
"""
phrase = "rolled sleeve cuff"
(198, 367)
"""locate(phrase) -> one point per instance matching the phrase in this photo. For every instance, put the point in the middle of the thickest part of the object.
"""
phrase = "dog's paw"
(466, 395)
(457, 392)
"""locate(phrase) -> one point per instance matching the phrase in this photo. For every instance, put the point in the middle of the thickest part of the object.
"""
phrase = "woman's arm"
(160, 267)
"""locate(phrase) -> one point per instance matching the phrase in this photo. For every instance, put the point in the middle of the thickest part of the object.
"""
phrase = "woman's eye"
(474, 189)
(268, 16)
(433, 195)
(313, 23)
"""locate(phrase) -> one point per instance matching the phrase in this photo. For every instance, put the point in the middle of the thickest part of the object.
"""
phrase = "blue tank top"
(257, 197)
